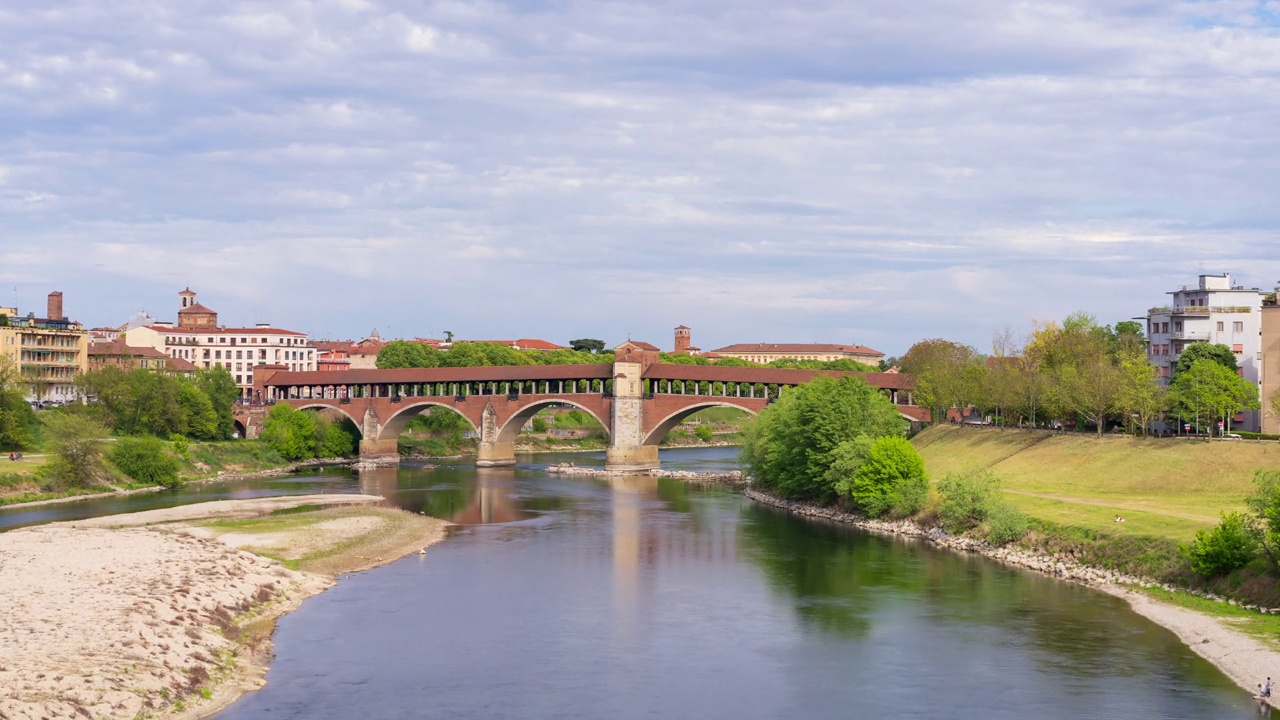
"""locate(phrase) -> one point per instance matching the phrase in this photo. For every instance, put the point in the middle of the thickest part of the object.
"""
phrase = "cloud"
(872, 173)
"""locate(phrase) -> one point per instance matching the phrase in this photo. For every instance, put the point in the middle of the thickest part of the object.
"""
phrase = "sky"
(872, 172)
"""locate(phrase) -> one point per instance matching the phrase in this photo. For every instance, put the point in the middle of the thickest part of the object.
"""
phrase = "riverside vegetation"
(838, 443)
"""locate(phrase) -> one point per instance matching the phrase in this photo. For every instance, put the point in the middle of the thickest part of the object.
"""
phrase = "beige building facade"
(1269, 370)
(49, 353)
(198, 339)
(763, 353)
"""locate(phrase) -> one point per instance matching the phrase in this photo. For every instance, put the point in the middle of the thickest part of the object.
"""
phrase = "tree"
(590, 345)
(1093, 389)
(292, 433)
(405, 354)
(788, 447)
(217, 383)
(74, 443)
(1216, 352)
(17, 420)
(947, 374)
(1126, 338)
(1142, 399)
(1208, 391)
(891, 477)
(1264, 503)
(198, 415)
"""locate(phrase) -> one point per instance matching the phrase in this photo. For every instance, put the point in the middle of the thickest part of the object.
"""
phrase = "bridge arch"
(394, 425)
(241, 430)
(668, 423)
(511, 428)
(327, 406)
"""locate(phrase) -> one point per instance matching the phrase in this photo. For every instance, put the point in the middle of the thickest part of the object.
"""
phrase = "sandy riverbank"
(161, 613)
(1244, 659)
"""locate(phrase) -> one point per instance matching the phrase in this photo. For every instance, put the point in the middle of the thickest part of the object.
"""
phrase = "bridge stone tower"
(492, 452)
(627, 450)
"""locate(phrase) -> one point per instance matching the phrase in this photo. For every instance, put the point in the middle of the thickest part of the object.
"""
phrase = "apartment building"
(49, 352)
(200, 340)
(1215, 311)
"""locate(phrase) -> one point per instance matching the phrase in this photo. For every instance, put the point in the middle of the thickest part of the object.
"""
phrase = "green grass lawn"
(1163, 487)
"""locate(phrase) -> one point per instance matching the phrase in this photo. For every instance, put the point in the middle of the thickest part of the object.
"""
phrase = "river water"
(645, 598)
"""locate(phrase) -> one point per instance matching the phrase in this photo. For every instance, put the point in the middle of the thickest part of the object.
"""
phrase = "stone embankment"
(731, 478)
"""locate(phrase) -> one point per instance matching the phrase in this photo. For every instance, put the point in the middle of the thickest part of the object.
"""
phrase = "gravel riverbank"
(152, 614)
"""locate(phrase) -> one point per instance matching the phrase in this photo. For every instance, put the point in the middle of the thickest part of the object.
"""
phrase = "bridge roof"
(589, 371)
(769, 376)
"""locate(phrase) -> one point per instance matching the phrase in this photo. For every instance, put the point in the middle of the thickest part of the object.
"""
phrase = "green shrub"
(539, 424)
(703, 433)
(966, 499)
(1005, 523)
(1229, 546)
(292, 433)
(890, 478)
(180, 444)
(335, 440)
(145, 460)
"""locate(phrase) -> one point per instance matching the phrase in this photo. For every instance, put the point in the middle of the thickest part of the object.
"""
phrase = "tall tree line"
(1079, 370)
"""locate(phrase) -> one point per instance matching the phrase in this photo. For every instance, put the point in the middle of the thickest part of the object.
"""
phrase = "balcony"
(1190, 336)
(1199, 310)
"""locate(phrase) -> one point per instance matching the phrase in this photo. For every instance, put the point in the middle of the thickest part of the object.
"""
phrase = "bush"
(1229, 546)
(1005, 523)
(703, 433)
(539, 424)
(144, 459)
(180, 444)
(890, 478)
(966, 497)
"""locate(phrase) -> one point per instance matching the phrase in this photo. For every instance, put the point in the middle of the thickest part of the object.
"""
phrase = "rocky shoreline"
(1242, 658)
(731, 478)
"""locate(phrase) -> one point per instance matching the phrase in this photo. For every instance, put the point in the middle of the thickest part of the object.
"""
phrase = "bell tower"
(682, 340)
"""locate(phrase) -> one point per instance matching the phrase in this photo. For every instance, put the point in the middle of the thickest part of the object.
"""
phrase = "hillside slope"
(1167, 487)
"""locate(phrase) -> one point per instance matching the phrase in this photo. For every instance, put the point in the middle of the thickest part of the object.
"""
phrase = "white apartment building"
(199, 339)
(1214, 311)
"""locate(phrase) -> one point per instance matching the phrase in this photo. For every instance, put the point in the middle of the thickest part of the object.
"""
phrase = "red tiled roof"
(592, 371)
(536, 344)
(223, 331)
(121, 348)
(197, 308)
(182, 366)
(797, 348)
(769, 376)
(641, 345)
(913, 412)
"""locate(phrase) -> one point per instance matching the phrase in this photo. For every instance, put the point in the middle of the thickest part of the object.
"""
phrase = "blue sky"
(872, 172)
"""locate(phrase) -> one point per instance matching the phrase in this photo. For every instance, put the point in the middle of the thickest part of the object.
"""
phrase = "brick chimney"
(55, 306)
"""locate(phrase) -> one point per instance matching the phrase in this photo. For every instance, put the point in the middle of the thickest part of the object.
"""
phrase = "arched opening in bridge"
(337, 433)
(431, 428)
(553, 422)
(239, 432)
(708, 419)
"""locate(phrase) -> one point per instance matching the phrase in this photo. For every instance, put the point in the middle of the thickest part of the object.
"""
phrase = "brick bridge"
(637, 401)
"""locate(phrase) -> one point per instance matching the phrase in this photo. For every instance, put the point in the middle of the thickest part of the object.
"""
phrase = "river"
(639, 597)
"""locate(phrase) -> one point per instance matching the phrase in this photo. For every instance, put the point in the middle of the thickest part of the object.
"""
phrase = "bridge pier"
(495, 454)
(627, 450)
(632, 457)
(381, 450)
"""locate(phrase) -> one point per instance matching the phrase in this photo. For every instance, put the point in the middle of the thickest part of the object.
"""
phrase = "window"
(1164, 327)
(1237, 348)
(239, 354)
(1237, 326)
(1177, 326)
(239, 381)
(1164, 371)
(217, 354)
(1220, 324)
